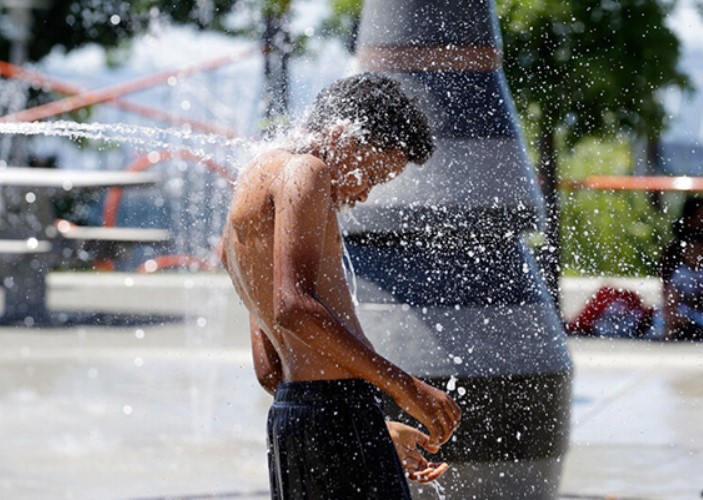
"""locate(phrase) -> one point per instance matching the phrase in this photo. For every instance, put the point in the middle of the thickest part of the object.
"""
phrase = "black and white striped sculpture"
(447, 288)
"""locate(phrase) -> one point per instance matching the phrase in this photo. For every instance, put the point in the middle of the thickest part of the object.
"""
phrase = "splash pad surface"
(168, 412)
(176, 415)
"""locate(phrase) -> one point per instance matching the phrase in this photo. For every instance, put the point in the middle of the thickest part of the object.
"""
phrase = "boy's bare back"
(273, 192)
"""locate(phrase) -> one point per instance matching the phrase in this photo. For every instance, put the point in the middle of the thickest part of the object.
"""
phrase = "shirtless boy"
(282, 247)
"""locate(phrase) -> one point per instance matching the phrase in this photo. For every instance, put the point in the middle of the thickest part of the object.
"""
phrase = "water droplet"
(151, 266)
(63, 226)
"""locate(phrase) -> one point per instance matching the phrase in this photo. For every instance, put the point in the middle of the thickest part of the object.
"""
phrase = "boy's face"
(362, 167)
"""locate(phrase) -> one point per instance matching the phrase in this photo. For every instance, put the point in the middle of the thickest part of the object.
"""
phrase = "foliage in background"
(609, 233)
(579, 67)
(73, 23)
(586, 68)
(591, 67)
(344, 21)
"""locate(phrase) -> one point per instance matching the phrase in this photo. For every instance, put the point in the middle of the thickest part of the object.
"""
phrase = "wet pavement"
(148, 410)
(637, 420)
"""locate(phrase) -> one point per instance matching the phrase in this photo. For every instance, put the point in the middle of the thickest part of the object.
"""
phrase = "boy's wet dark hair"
(379, 105)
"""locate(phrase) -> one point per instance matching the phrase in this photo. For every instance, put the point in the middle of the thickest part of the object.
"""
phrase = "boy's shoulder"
(302, 173)
(305, 163)
(282, 164)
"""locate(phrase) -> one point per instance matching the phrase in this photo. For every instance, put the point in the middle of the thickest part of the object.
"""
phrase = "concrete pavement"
(173, 410)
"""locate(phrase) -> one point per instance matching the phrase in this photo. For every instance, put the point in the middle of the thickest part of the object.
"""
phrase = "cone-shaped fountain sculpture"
(447, 288)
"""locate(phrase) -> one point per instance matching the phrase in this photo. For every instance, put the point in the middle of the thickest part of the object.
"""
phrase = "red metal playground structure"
(78, 98)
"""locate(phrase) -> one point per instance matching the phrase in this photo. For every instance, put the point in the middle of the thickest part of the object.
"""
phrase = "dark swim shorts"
(328, 440)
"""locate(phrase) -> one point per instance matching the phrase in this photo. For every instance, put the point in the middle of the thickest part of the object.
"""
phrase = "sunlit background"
(136, 380)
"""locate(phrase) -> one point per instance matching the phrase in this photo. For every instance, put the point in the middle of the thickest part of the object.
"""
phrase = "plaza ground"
(144, 409)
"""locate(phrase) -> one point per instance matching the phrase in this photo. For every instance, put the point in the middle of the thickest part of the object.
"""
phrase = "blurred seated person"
(614, 312)
(681, 271)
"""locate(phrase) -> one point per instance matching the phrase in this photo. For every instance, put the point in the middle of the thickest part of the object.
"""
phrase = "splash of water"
(350, 274)
(439, 490)
(136, 135)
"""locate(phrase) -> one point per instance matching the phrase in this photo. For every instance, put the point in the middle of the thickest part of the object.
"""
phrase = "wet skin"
(283, 250)
(262, 203)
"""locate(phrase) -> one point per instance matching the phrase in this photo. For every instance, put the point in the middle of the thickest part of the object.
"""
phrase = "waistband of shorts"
(327, 391)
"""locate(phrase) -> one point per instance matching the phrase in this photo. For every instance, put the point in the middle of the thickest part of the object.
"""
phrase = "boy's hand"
(406, 440)
(434, 408)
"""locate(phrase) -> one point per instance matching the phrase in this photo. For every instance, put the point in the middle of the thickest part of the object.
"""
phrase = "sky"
(687, 24)
(687, 108)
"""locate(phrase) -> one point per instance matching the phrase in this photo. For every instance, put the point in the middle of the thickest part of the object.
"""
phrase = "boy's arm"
(267, 364)
(302, 202)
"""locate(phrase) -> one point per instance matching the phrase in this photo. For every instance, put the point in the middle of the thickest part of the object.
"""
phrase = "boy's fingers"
(435, 436)
(414, 466)
(431, 447)
(424, 440)
(433, 472)
(445, 425)
(436, 471)
(411, 464)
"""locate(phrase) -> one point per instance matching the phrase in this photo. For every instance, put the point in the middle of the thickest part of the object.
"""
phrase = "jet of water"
(149, 138)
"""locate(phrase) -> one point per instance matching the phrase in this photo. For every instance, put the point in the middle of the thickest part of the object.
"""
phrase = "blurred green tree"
(577, 69)
(586, 68)
(610, 233)
(73, 23)
(344, 21)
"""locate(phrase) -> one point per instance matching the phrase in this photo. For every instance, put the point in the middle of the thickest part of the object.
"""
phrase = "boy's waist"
(327, 391)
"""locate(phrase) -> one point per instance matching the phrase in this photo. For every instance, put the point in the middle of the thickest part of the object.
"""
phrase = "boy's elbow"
(296, 313)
